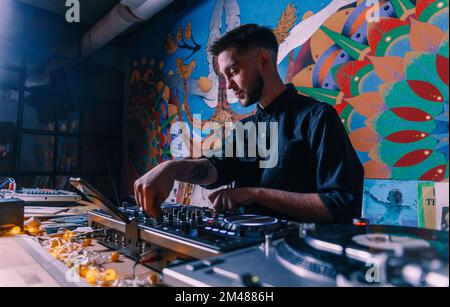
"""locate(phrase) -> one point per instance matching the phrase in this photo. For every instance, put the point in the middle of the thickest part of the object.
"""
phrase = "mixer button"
(196, 266)
(210, 262)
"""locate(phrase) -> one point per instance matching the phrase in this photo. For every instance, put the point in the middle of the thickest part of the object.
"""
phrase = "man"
(318, 177)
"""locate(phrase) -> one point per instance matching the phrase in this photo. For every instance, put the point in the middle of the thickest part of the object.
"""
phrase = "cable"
(113, 185)
(136, 263)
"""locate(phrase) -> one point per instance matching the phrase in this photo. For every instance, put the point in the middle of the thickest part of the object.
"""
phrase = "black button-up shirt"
(314, 156)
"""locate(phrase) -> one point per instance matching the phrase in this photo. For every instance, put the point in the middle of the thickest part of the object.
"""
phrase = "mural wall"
(382, 64)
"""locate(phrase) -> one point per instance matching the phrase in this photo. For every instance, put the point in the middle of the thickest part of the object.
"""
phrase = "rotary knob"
(208, 213)
(136, 213)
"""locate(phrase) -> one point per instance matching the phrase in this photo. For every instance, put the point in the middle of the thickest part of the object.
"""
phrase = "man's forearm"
(304, 207)
(200, 171)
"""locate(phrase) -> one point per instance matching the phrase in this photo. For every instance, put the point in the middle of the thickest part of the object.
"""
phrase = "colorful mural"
(387, 75)
(382, 64)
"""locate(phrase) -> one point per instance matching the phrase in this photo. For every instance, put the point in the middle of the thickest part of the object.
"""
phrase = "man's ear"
(263, 57)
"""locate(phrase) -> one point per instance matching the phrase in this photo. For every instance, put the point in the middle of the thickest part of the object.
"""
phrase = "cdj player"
(191, 231)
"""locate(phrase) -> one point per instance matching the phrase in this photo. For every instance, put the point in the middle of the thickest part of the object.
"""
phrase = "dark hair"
(244, 38)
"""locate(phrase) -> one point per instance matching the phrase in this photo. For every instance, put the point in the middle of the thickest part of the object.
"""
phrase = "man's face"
(242, 75)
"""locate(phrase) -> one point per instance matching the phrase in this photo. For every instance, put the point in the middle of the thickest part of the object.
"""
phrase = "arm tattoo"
(201, 171)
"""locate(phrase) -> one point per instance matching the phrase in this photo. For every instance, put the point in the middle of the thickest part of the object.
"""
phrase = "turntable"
(335, 255)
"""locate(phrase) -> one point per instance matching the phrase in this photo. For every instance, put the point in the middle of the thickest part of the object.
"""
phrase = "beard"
(255, 90)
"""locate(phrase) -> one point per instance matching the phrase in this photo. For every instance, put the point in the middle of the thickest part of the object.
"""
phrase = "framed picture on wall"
(391, 202)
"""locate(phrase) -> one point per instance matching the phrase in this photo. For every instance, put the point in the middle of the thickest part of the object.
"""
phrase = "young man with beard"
(318, 178)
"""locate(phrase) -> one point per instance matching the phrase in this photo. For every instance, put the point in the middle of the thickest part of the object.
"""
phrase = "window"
(7, 151)
(36, 153)
(62, 125)
(9, 102)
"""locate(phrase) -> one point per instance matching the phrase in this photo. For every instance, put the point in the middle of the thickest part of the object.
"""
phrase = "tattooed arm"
(195, 171)
(152, 189)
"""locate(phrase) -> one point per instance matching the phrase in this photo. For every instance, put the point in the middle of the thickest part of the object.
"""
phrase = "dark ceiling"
(30, 30)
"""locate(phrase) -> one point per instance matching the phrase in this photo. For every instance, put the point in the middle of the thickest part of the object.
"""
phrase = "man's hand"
(231, 199)
(152, 189)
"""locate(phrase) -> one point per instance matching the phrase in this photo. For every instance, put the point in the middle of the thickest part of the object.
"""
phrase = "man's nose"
(230, 84)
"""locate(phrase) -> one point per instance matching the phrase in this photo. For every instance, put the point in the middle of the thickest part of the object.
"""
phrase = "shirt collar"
(278, 103)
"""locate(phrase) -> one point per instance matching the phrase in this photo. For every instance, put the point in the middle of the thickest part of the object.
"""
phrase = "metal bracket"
(132, 240)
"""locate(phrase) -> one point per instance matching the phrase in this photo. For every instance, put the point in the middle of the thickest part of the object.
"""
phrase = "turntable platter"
(389, 242)
(251, 220)
(253, 225)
